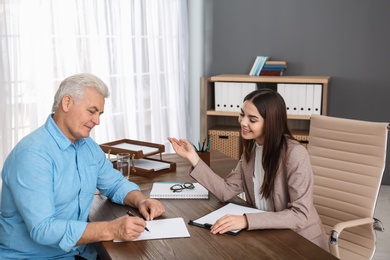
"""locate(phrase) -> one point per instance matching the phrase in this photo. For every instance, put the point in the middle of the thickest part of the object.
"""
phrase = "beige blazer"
(291, 203)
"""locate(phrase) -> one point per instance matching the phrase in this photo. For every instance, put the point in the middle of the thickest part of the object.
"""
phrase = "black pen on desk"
(132, 215)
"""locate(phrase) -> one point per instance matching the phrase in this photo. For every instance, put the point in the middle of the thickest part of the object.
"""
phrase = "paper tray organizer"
(141, 151)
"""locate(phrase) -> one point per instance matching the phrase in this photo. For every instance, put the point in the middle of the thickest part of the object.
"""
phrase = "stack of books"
(273, 68)
(265, 67)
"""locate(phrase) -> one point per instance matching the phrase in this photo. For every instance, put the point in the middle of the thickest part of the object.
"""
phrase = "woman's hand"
(185, 149)
(228, 223)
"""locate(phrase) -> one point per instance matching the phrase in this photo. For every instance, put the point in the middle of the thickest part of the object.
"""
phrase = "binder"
(302, 99)
(218, 96)
(287, 94)
(317, 99)
(225, 96)
(237, 97)
(280, 88)
(294, 99)
(246, 88)
(234, 104)
(309, 99)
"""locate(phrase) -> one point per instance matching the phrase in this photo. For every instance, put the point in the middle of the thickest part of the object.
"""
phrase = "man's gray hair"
(76, 85)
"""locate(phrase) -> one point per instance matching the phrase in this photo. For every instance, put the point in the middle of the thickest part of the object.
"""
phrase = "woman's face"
(252, 123)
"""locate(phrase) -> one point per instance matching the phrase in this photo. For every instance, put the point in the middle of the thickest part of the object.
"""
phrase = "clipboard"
(208, 226)
(209, 219)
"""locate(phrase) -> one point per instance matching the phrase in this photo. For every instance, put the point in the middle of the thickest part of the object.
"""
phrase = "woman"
(274, 172)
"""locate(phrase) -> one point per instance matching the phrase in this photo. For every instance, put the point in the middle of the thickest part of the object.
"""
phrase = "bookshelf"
(210, 118)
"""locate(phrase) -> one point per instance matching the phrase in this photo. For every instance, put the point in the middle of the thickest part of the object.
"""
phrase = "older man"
(50, 178)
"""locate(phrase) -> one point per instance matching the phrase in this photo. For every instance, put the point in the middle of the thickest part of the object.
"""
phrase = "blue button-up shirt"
(48, 187)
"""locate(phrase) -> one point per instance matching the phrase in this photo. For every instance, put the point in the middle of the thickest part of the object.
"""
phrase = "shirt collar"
(62, 141)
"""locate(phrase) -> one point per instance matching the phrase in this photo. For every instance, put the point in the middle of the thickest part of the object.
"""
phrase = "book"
(162, 190)
(276, 63)
(271, 73)
(260, 65)
(209, 219)
(254, 66)
(273, 67)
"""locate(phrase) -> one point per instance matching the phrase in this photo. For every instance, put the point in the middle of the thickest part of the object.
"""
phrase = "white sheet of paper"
(164, 228)
(135, 147)
(151, 164)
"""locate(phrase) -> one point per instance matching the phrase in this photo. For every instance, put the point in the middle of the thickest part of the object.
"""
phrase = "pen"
(132, 215)
(203, 145)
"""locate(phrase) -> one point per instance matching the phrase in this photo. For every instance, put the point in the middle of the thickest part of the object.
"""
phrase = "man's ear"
(66, 103)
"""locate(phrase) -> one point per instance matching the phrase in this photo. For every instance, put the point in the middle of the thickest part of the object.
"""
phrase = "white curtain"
(138, 47)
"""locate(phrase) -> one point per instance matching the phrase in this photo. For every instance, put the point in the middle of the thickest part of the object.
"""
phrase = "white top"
(258, 178)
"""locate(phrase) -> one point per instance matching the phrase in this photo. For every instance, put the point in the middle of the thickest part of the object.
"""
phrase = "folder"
(317, 99)
(287, 99)
(302, 99)
(294, 99)
(218, 96)
(234, 103)
(246, 88)
(225, 96)
(280, 88)
(309, 99)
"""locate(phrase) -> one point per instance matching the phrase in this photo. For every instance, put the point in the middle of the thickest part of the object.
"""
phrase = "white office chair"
(348, 158)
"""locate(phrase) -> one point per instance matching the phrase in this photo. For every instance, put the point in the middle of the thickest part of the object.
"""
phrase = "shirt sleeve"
(33, 194)
(112, 183)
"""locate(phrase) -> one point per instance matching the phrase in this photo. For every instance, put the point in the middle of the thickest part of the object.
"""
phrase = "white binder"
(317, 99)
(309, 99)
(218, 96)
(287, 99)
(234, 103)
(302, 99)
(225, 96)
(246, 88)
(294, 99)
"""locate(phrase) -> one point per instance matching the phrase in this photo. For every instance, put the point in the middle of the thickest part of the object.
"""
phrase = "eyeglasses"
(180, 187)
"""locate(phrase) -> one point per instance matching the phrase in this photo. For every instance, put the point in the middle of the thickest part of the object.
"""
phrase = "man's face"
(83, 115)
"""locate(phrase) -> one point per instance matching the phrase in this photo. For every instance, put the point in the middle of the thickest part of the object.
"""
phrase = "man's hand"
(151, 208)
(127, 228)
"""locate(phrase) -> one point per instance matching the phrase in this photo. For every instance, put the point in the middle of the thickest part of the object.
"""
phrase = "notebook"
(162, 190)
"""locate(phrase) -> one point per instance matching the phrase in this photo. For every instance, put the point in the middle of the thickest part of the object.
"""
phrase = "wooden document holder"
(138, 150)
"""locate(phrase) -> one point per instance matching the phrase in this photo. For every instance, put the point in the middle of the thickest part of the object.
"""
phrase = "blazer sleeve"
(223, 189)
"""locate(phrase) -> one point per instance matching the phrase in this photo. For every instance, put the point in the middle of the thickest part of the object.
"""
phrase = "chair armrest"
(339, 227)
(352, 223)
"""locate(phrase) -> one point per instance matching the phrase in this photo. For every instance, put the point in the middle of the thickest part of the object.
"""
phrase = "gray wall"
(348, 40)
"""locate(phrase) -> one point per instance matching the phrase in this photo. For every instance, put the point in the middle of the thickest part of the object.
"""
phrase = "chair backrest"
(348, 158)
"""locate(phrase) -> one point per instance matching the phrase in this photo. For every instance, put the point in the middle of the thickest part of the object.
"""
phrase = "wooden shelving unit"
(210, 118)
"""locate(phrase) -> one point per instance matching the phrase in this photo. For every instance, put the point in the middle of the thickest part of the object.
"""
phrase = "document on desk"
(136, 147)
(208, 220)
(164, 228)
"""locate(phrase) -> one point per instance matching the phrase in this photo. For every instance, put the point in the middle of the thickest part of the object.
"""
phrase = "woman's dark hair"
(272, 108)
